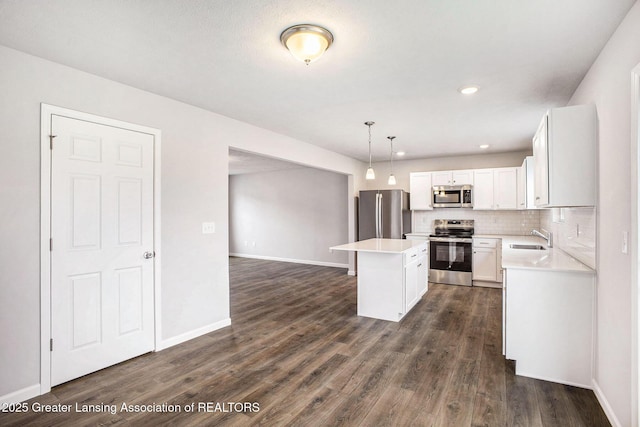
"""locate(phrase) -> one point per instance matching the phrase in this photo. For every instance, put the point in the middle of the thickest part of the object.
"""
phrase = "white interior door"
(102, 302)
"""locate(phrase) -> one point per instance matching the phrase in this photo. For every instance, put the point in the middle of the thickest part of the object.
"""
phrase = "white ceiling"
(396, 63)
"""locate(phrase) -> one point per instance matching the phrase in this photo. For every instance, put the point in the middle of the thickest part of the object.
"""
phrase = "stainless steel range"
(451, 252)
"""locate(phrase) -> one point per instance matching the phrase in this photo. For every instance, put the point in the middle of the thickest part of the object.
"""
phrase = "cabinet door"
(505, 188)
(484, 264)
(462, 177)
(541, 165)
(483, 189)
(423, 268)
(441, 178)
(411, 278)
(420, 191)
(522, 186)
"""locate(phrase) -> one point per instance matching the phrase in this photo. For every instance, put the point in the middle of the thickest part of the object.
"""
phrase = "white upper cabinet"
(525, 184)
(420, 191)
(564, 152)
(495, 189)
(483, 189)
(505, 188)
(458, 177)
(522, 186)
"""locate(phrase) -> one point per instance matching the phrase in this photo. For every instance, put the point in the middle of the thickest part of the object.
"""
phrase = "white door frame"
(46, 112)
(635, 245)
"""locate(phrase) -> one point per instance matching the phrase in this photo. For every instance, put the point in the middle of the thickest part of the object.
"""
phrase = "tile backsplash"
(513, 223)
(574, 231)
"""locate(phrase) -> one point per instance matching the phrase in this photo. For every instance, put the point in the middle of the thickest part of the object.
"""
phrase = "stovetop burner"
(452, 228)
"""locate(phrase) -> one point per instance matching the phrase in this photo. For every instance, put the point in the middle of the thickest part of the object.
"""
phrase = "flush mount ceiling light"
(392, 178)
(484, 146)
(370, 173)
(468, 90)
(306, 42)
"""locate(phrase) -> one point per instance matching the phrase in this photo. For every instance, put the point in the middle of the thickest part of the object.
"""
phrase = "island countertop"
(391, 246)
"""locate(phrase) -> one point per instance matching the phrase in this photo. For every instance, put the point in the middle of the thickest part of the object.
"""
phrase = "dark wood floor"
(297, 349)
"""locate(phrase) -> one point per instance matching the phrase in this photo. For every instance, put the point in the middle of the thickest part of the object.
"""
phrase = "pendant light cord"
(369, 124)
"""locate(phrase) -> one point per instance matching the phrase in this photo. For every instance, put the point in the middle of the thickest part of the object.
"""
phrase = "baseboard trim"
(297, 261)
(606, 407)
(164, 344)
(551, 379)
(21, 395)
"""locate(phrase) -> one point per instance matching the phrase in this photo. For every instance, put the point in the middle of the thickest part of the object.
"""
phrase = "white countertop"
(549, 259)
(392, 246)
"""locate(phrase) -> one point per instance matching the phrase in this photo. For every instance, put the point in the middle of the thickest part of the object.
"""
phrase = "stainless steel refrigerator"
(383, 214)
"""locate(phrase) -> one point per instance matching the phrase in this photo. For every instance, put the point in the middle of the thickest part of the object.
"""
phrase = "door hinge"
(51, 141)
(51, 344)
(50, 245)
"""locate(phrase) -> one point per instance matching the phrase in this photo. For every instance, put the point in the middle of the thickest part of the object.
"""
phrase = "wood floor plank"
(297, 349)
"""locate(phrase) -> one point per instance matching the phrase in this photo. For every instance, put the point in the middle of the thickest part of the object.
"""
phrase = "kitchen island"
(392, 276)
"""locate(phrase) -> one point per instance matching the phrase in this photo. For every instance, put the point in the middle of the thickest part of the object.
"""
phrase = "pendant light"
(392, 178)
(370, 173)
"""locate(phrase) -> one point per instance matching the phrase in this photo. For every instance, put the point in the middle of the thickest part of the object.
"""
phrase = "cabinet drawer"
(414, 254)
(484, 243)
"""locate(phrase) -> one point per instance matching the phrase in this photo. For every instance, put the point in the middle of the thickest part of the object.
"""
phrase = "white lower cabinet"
(548, 324)
(415, 276)
(486, 262)
(391, 283)
(423, 280)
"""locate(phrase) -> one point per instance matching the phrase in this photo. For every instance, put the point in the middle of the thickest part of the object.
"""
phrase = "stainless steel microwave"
(452, 196)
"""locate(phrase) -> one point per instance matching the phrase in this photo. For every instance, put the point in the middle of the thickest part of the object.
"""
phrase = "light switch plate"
(208, 227)
(625, 242)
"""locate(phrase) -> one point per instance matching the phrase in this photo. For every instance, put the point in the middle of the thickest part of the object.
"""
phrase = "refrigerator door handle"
(377, 213)
(380, 218)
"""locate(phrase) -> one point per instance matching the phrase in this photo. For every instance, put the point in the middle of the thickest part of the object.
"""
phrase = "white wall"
(195, 144)
(608, 86)
(402, 168)
(282, 212)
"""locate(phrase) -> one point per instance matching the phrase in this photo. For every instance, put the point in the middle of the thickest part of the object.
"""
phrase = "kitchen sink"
(530, 247)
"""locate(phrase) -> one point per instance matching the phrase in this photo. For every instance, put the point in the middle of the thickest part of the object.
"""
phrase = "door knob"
(148, 255)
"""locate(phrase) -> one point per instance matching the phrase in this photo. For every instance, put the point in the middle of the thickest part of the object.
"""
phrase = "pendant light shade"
(392, 178)
(370, 173)
(306, 42)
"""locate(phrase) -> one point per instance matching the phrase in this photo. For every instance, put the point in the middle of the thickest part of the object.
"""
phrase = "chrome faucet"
(548, 237)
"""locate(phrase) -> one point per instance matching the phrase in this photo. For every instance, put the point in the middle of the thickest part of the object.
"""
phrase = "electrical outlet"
(208, 227)
(625, 242)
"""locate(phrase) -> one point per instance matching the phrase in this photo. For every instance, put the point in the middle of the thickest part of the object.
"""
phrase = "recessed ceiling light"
(484, 146)
(468, 90)
(400, 153)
